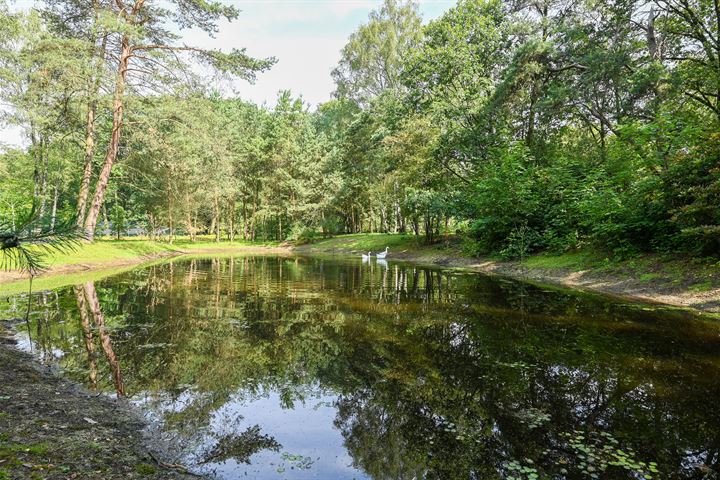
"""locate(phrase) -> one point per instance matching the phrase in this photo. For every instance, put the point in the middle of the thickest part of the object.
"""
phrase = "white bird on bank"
(367, 257)
(382, 255)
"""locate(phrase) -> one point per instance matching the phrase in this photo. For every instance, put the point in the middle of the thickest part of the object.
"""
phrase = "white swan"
(382, 255)
(367, 257)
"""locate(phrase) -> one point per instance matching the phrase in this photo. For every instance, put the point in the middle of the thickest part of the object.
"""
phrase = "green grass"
(113, 254)
(369, 242)
(145, 469)
(572, 260)
(103, 251)
(704, 286)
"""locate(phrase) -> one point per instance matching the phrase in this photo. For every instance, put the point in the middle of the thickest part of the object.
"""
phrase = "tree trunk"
(99, 319)
(399, 222)
(112, 151)
(53, 214)
(171, 220)
(106, 222)
(87, 170)
(244, 213)
(231, 221)
(151, 227)
(254, 212)
(189, 224)
(90, 135)
(43, 174)
(216, 214)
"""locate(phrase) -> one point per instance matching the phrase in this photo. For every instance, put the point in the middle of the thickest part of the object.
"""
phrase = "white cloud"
(306, 37)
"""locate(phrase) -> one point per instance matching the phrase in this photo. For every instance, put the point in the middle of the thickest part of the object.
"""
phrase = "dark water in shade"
(303, 367)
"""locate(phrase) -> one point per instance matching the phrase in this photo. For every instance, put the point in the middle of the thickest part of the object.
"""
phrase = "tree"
(41, 75)
(375, 55)
(143, 39)
(453, 76)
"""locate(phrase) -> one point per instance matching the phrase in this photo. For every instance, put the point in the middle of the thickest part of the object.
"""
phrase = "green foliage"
(301, 235)
(525, 126)
(374, 57)
(25, 247)
(145, 469)
(118, 217)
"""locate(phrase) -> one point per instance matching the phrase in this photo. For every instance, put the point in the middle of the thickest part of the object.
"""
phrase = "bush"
(302, 235)
(521, 241)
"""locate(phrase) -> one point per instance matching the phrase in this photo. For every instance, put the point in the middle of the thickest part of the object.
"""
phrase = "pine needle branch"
(26, 247)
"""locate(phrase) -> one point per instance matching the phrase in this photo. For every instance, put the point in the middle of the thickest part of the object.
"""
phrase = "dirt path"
(52, 429)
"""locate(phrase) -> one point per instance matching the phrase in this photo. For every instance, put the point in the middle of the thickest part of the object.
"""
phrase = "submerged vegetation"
(525, 126)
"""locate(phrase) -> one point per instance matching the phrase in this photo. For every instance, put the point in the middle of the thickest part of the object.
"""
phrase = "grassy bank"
(103, 251)
(672, 279)
(92, 261)
(668, 279)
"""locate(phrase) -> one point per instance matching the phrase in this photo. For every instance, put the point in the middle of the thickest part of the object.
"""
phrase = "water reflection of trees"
(92, 304)
(438, 375)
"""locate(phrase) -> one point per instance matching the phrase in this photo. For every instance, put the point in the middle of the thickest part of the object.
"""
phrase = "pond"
(285, 367)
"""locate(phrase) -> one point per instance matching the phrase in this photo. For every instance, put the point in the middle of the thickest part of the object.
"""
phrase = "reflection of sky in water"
(442, 374)
(305, 430)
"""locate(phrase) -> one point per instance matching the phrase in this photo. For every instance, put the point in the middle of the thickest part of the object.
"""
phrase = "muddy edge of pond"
(663, 291)
(52, 428)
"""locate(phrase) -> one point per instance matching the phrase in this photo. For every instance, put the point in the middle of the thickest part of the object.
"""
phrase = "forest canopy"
(522, 126)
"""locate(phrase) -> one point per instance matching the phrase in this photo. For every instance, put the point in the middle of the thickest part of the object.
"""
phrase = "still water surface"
(274, 367)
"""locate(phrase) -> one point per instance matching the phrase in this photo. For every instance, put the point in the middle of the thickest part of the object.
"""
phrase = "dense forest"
(522, 126)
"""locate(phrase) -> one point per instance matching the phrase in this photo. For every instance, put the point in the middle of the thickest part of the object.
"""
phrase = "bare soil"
(660, 290)
(51, 428)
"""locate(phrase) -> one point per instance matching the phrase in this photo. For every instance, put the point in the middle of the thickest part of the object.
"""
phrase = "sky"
(305, 36)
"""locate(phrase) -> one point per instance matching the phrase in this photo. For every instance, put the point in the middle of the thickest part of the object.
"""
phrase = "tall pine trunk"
(112, 151)
(90, 134)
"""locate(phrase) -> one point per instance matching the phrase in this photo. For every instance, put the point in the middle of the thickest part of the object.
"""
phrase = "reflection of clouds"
(306, 431)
